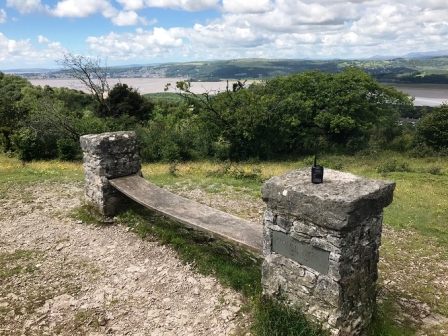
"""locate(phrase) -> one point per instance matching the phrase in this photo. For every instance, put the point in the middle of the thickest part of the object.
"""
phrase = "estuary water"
(424, 94)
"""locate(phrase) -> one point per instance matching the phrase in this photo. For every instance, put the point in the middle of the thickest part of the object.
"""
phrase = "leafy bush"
(29, 146)
(67, 149)
(230, 169)
(393, 165)
(433, 128)
(421, 151)
(435, 170)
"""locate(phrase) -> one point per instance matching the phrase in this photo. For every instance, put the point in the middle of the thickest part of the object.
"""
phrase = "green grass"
(14, 171)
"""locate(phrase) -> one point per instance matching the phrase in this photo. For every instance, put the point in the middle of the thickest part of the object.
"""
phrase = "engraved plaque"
(301, 252)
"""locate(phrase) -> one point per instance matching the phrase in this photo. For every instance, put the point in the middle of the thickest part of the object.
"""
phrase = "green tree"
(11, 114)
(344, 106)
(433, 128)
(123, 100)
(284, 115)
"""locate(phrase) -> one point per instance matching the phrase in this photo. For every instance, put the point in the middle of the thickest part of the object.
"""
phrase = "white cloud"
(189, 5)
(129, 18)
(83, 8)
(22, 51)
(132, 5)
(43, 39)
(3, 16)
(259, 28)
(244, 6)
(25, 6)
(143, 44)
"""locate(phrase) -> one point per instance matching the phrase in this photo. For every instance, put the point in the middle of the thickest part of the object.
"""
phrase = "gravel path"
(60, 276)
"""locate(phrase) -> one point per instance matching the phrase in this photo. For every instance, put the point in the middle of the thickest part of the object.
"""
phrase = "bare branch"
(91, 73)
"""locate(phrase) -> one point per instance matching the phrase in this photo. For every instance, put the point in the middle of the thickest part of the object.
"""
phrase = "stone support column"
(321, 245)
(107, 156)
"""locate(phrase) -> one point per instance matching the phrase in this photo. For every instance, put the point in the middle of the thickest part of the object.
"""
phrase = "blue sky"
(36, 33)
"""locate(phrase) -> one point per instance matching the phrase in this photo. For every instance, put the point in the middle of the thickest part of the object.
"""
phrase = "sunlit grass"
(13, 170)
(420, 198)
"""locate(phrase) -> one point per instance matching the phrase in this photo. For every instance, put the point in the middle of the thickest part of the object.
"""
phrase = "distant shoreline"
(425, 94)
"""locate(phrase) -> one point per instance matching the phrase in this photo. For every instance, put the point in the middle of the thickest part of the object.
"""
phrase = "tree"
(284, 115)
(345, 106)
(433, 128)
(123, 100)
(11, 114)
(91, 72)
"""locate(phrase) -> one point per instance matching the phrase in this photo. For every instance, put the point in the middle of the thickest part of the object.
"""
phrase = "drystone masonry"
(321, 245)
(106, 156)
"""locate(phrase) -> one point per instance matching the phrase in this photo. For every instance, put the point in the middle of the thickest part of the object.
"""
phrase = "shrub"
(421, 151)
(393, 165)
(67, 149)
(30, 147)
(435, 170)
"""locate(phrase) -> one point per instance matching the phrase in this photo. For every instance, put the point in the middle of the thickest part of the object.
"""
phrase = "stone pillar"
(321, 245)
(107, 156)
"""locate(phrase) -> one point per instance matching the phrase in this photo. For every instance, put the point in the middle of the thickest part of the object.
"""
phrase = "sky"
(37, 33)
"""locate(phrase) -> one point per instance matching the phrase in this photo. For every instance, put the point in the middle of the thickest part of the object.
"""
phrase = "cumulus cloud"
(286, 28)
(25, 6)
(130, 18)
(262, 28)
(141, 44)
(244, 6)
(83, 8)
(189, 5)
(22, 51)
(3, 16)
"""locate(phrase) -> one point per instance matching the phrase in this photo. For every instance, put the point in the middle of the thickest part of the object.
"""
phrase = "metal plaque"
(301, 252)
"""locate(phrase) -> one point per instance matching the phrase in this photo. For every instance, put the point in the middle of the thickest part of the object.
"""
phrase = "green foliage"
(125, 100)
(421, 150)
(67, 149)
(393, 165)
(435, 170)
(342, 109)
(276, 319)
(433, 128)
(229, 169)
(30, 146)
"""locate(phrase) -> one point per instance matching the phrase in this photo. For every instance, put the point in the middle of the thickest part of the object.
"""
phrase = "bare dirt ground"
(61, 276)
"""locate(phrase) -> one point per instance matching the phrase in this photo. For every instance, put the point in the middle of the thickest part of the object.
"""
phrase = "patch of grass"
(276, 319)
(385, 323)
(89, 214)
(13, 170)
(393, 165)
(14, 263)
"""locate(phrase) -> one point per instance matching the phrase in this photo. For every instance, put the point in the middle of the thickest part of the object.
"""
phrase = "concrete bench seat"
(193, 214)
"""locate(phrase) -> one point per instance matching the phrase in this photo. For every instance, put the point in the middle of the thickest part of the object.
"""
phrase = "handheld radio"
(317, 171)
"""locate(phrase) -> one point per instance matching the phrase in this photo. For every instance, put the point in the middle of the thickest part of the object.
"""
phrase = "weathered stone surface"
(342, 200)
(105, 156)
(342, 216)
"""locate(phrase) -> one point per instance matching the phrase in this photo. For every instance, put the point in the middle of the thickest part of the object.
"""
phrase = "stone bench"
(320, 242)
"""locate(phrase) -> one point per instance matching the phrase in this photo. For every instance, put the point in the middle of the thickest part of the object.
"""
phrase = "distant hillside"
(398, 70)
